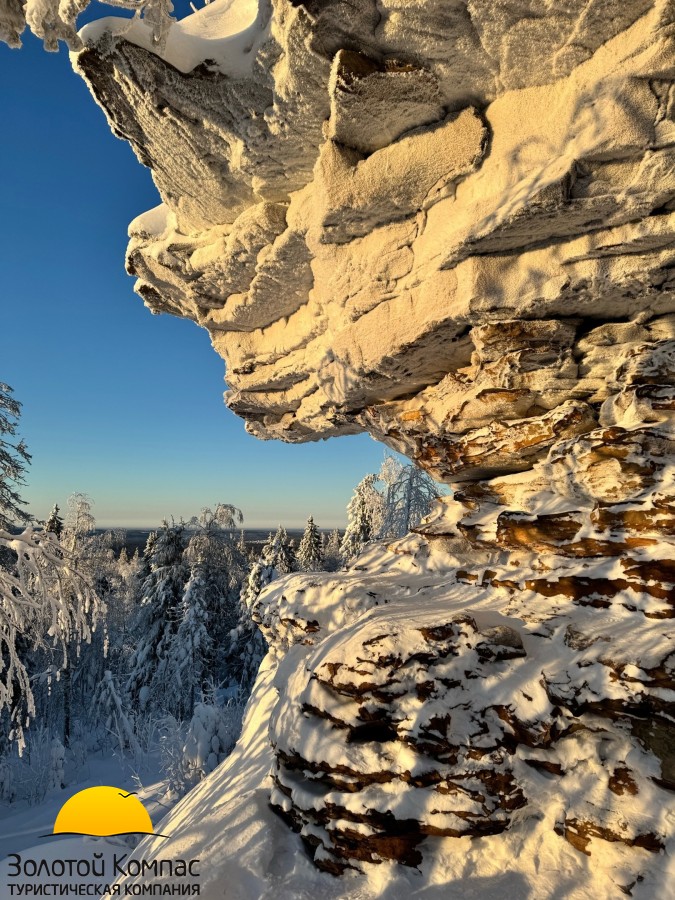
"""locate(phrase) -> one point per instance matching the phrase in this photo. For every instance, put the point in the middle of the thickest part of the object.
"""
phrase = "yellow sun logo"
(103, 812)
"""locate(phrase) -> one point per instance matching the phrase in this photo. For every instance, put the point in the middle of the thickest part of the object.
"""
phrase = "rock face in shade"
(452, 225)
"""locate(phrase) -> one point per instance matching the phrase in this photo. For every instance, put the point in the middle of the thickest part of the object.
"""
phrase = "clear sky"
(120, 404)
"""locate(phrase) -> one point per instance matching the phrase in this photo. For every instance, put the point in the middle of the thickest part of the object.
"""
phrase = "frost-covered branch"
(45, 598)
(56, 20)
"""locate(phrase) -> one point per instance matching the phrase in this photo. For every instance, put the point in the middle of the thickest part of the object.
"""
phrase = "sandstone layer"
(452, 225)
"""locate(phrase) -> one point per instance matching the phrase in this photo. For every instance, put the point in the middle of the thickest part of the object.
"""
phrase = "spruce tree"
(158, 615)
(247, 646)
(215, 555)
(191, 657)
(310, 555)
(364, 513)
(279, 552)
(110, 706)
(332, 557)
(54, 523)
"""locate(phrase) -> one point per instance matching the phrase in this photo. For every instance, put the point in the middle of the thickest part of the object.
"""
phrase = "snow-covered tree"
(409, 495)
(14, 460)
(364, 515)
(57, 756)
(191, 654)
(47, 600)
(310, 556)
(247, 648)
(77, 537)
(279, 552)
(211, 736)
(332, 559)
(54, 523)
(109, 704)
(80, 522)
(214, 526)
(246, 644)
(108, 649)
(158, 616)
(214, 553)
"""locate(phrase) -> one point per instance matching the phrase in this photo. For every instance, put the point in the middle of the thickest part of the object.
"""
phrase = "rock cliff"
(451, 224)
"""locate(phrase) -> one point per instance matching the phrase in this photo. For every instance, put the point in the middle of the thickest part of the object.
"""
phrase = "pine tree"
(158, 615)
(54, 523)
(310, 556)
(364, 513)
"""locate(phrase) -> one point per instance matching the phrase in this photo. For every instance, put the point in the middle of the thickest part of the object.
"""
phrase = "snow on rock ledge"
(514, 659)
(451, 225)
(351, 191)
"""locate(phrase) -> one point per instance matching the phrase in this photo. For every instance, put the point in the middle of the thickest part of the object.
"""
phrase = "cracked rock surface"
(452, 225)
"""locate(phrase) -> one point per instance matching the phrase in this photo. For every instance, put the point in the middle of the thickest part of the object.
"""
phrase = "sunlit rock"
(452, 225)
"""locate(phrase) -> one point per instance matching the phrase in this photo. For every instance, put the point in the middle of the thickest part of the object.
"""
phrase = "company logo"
(62, 869)
(103, 812)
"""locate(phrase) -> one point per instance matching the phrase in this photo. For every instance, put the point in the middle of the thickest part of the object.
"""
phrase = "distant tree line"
(104, 651)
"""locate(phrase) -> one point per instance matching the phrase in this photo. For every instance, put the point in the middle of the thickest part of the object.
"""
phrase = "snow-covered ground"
(26, 829)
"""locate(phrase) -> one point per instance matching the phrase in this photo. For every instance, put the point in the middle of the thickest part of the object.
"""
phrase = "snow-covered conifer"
(364, 513)
(247, 645)
(54, 523)
(192, 651)
(108, 700)
(57, 756)
(279, 552)
(14, 460)
(158, 615)
(310, 556)
(332, 558)
(212, 734)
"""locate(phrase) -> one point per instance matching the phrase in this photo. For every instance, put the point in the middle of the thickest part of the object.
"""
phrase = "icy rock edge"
(451, 225)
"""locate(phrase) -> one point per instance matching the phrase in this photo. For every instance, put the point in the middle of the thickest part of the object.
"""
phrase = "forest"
(149, 657)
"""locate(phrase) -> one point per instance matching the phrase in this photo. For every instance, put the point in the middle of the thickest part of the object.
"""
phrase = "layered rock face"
(351, 201)
(521, 663)
(450, 224)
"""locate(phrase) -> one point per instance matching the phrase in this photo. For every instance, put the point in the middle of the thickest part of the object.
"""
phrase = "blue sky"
(120, 404)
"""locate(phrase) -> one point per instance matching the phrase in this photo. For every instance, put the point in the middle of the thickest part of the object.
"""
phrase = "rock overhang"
(348, 214)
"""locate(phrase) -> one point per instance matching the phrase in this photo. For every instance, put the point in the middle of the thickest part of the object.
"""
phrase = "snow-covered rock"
(450, 224)
(354, 191)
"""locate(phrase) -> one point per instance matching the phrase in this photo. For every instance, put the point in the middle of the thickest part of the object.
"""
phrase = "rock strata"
(451, 225)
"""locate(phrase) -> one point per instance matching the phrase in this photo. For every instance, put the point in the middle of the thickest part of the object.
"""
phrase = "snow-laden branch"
(46, 597)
